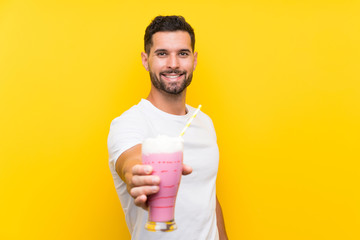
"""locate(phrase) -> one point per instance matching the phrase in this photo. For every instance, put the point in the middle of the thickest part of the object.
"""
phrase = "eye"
(161, 54)
(184, 54)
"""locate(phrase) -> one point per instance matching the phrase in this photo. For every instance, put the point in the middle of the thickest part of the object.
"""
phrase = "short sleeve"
(126, 131)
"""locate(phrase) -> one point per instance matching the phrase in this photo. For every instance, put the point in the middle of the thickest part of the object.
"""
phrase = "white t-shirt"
(195, 206)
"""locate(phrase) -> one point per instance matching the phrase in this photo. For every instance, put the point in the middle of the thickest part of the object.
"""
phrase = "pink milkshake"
(165, 155)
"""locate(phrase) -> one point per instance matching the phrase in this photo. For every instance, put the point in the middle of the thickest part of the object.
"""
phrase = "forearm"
(127, 160)
(220, 221)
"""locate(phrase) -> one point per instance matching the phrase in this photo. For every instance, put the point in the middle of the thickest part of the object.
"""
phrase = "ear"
(195, 59)
(145, 62)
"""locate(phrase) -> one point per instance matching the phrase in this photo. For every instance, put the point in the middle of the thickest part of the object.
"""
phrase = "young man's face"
(171, 61)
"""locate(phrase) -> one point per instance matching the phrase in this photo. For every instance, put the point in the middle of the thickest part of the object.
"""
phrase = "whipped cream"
(162, 144)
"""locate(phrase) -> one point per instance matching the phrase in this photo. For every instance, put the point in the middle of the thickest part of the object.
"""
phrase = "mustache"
(173, 71)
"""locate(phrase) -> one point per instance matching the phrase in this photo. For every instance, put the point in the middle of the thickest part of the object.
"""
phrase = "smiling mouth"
(172, 76)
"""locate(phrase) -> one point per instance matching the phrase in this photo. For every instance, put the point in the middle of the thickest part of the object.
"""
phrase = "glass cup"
(165, 155)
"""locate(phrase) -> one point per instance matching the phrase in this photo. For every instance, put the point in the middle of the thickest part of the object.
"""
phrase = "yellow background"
(280, 80)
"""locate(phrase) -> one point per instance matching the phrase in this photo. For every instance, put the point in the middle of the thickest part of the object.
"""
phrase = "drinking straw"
(190, 120)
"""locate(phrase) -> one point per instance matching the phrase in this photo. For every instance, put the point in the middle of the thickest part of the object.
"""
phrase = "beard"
(174, 88)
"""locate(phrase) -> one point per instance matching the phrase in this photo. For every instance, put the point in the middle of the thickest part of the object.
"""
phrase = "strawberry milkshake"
(165, 155)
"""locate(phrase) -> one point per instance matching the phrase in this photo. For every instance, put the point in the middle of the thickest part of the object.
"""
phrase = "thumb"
(186, 169)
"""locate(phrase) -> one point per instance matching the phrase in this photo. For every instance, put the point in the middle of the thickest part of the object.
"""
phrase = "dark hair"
(167, 24)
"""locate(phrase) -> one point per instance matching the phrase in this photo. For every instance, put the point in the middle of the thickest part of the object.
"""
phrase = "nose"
(173, 62)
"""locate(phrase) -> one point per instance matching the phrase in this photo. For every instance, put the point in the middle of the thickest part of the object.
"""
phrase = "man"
(170, 59)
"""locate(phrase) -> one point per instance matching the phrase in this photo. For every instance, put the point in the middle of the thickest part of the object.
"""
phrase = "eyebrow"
(160, 50)
(185, 50)
(164, 50)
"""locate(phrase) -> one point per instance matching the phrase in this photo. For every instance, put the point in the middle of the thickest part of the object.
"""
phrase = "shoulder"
(132, 124)
(132, 116)
(127, 130)
(202, 119)
(128, 115)
(201, 115)
(207, 121)
(205, 116)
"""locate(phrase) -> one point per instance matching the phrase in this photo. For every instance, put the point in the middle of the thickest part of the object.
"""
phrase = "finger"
(186, 169)
(145, 180)
(144, 190)
(140, 201)
(142, 169)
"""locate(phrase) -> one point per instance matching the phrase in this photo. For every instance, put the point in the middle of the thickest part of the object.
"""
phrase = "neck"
(169, 103)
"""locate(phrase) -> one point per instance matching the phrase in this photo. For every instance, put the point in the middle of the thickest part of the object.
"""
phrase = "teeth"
(176, 76)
